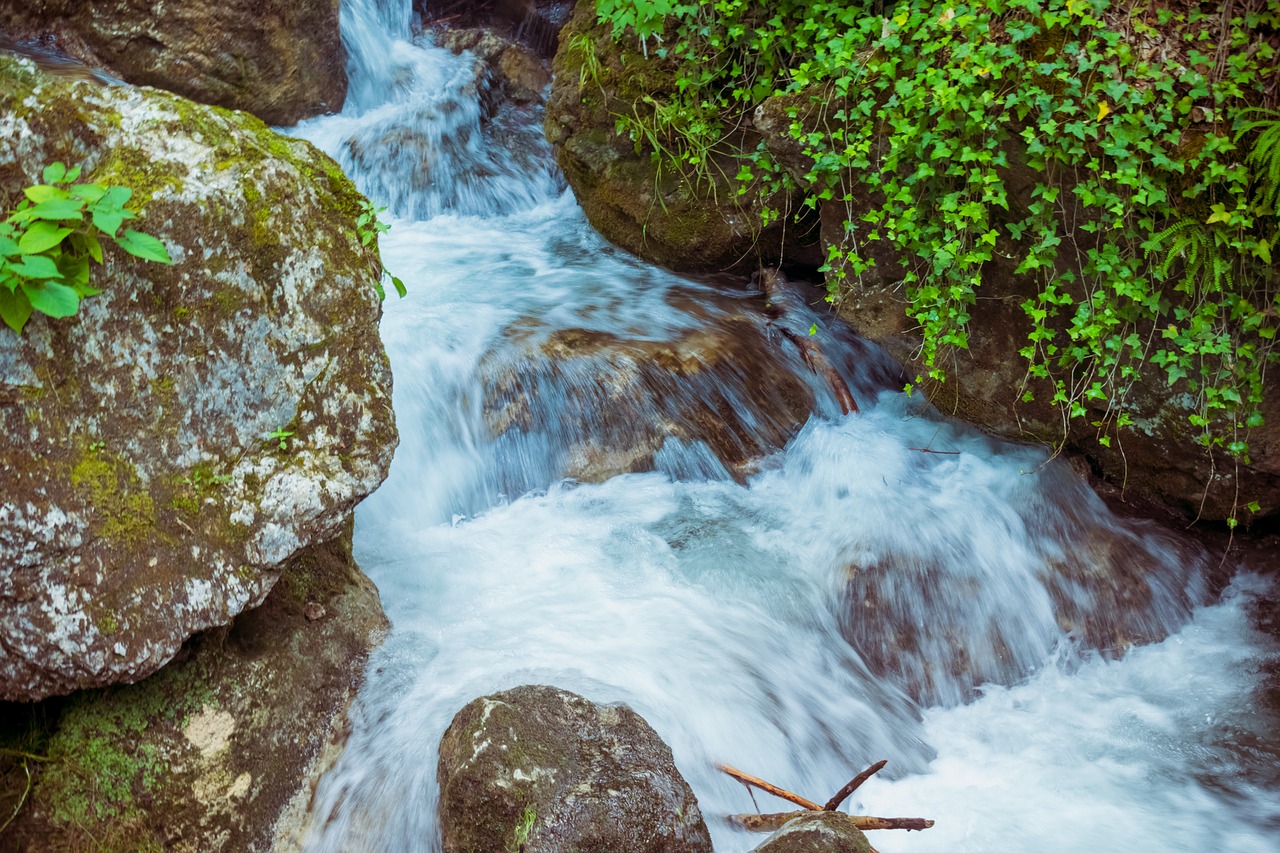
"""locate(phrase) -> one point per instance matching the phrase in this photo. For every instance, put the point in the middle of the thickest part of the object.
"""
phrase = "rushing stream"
(883, 584)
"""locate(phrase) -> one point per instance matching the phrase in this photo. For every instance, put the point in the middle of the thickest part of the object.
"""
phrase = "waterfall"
(632, 485)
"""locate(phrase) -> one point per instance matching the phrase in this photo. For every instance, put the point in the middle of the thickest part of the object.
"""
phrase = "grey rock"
(142, 500)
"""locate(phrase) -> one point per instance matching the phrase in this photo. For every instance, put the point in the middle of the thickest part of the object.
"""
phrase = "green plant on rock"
(370, 229)
(49, 240)
(1146, 220)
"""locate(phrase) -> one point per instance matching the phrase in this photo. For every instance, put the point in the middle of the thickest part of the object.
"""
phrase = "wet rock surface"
(539, 769)
(939, 624)
(143, 500)
(222, 748)
(707, 401)
(278, 59)
(817, 832)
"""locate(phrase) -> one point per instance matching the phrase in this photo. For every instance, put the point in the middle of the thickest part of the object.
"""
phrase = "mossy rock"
(221, 749)
(143, 500)
(817, 832)
(669, 216)
(537, 769)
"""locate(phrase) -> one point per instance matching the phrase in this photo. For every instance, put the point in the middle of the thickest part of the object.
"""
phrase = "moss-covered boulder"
(537, 769)
(281, 60)
(222, 748)
(817, 832)
(598, 120)
(144, 500)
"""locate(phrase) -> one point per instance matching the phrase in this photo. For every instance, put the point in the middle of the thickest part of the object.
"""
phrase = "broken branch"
(853, 785)
(774, 822)
(782, 793)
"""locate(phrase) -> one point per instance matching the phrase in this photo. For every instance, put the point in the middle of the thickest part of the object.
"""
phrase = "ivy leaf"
(143, 246)
(41, 237)
(53, 299)
(1104, 109)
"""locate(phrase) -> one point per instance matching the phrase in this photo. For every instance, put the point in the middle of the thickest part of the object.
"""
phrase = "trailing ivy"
(1149, 128)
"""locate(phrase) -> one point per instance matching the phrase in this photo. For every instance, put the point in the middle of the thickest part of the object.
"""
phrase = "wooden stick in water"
(774, 822)
(854, 784)
(782, 793)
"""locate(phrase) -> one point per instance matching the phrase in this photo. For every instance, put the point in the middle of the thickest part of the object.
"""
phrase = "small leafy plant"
(48, 241)
(369, 229)
(281, 435)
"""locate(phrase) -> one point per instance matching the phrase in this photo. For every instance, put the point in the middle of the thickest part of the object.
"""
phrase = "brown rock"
(281, 60)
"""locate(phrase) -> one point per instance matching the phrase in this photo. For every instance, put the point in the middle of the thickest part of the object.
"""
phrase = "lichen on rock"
(222, 748)
(143, 502)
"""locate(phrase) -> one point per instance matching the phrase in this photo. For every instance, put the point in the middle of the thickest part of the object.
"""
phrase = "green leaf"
(36, 267)
(53, 299)
(54, 172)
(15, 309)
(57, 209)
(42, 193)
(41, 237)
(143, 246)
(108, 221)
(401, 290)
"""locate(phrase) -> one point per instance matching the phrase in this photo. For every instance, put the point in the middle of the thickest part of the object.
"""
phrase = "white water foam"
(723, 612)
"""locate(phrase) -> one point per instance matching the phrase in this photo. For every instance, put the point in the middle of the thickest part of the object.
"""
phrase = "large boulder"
(701, 222)
(817, 832)
(143, 499)
(221, 749)
(281, 60)
(537, 769)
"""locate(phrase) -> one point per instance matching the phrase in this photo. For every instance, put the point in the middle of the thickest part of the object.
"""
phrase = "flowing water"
(882, 584)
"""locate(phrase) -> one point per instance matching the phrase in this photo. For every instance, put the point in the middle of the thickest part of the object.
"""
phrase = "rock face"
(281, 60)
(143, 499)
(817, 832)
(221, 749)
(536, 769)
(633, 200)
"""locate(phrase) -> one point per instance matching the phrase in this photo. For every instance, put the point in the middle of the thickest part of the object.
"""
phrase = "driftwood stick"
(854, 784)
(774, 822)
(782, 793)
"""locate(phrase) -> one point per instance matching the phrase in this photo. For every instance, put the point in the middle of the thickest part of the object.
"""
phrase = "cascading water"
(798, 605)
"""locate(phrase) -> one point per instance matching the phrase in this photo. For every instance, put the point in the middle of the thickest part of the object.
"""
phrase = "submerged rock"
(607, 404)
(939, 624)
(144, 499)
(537, 769)
(281, 60)
(817, 832)
(221, 749)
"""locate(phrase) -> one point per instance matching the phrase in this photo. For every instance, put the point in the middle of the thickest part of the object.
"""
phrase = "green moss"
(134, 168)
(123, 511)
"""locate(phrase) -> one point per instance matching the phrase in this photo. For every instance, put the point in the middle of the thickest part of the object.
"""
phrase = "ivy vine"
(1149, 126)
